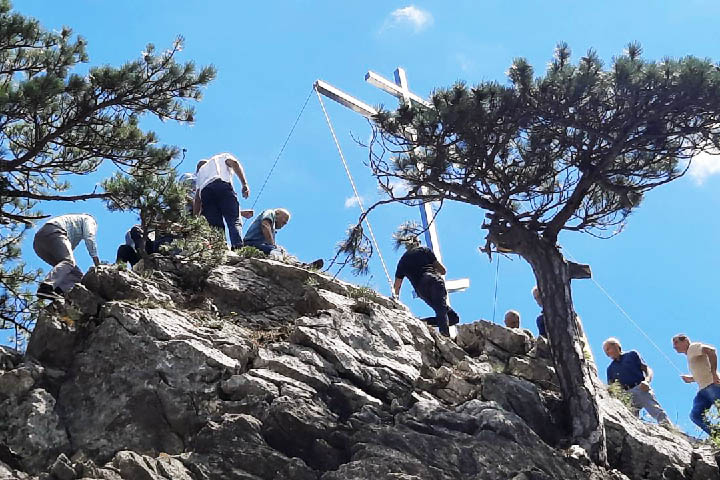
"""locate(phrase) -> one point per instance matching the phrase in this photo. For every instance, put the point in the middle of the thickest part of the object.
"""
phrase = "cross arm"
(344, 99)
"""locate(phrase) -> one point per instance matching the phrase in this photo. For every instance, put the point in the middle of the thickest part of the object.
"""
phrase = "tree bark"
(578, 378)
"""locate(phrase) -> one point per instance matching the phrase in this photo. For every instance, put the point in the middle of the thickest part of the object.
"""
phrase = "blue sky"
(662, 269)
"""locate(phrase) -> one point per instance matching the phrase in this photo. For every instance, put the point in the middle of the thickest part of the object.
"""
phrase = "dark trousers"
(219, 202)
(431, 289)
(266, 248)
(127, 254)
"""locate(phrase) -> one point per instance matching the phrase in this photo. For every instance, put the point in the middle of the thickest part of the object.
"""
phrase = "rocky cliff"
(262, 370)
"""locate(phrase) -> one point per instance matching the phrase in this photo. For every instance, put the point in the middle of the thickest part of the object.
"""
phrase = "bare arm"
(197, 204)
(240, 172)
(268, 232)
(440, 268)
(648, 373)
(397, 285)
(712, 356)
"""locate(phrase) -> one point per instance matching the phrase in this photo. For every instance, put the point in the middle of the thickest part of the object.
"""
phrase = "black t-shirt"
(414, 263)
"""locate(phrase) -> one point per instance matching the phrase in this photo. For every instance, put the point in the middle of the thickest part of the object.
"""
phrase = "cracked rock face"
(269, 371)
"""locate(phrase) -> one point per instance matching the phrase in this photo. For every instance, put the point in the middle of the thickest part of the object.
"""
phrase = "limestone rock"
(261, 370)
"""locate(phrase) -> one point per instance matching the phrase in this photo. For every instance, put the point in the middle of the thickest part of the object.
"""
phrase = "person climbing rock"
(702, 362)
(54, 244)
(261, 235)
(634, 376)
(424, 271)
(215, 195)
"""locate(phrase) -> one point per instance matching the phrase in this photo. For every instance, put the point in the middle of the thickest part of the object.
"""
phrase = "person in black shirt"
(424, 271)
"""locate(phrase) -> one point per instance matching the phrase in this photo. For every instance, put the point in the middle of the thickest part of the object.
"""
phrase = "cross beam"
(401, 90)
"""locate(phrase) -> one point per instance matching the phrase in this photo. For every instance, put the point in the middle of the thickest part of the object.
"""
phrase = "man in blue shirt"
(262, 231)
(630, 371)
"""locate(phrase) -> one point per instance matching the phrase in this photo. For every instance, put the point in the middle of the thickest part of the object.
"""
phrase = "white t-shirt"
(215, 168)
(699, 365)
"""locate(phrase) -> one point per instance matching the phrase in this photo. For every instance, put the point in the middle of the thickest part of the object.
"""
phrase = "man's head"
(411, 242)
(282, 217)
(512, 319)
(200, 164)
(681, 343)
(536, 295)
(612, 348)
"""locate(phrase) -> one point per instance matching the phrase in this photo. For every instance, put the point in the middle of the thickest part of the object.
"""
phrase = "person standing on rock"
(540, 320)
(215, 196)
(634, 376)
(702, 362)
(262, 231)
(425, 272)
(54, 243)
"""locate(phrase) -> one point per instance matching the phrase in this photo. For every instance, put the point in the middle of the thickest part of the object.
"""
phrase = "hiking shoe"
(317, 264)
(45, 290)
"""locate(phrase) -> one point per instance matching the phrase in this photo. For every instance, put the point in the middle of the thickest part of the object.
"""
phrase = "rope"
(352, 183)
(635, 324)
(497, 276)
(282, 149)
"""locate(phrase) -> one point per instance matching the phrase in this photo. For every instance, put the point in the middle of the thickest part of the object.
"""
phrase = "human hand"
(716, 378)
(245, 191)
(687, 378)
(644, 386)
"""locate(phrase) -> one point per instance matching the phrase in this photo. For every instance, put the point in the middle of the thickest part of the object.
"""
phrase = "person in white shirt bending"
(55, 242)
(702, 362)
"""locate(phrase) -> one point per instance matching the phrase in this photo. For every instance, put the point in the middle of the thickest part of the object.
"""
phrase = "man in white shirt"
(216, 197)
(55, 242)
(702, 362)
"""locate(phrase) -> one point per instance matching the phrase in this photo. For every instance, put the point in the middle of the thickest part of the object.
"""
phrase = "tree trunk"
(577, 377)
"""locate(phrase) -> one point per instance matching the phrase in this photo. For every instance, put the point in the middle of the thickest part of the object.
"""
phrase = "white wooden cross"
(399, 89)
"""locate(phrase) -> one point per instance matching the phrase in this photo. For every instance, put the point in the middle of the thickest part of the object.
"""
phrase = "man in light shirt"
(702, 362)
(55, 242)
(215, 195)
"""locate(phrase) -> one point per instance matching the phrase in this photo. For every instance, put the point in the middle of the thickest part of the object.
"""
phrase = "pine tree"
(575, 149)
(54, 124)
(159, 199)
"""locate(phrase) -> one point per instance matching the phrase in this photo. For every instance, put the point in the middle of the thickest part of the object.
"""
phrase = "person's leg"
(435, 296)
(266, 248)
(700, 404)
(211, 207)
(52, 245)
(648, 401)
(230, 209)
(69, 274)
(127, 254)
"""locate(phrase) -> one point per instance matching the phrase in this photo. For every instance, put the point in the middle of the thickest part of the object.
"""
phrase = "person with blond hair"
(633, 375)
(702, 362)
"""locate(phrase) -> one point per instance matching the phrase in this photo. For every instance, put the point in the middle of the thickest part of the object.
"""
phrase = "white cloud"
(704, 165)
(399, 187)
(352, 201)
(466, 63)
(410, 16)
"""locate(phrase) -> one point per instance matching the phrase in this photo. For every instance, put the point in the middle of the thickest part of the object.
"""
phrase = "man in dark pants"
(216, 197)
(422, 268)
